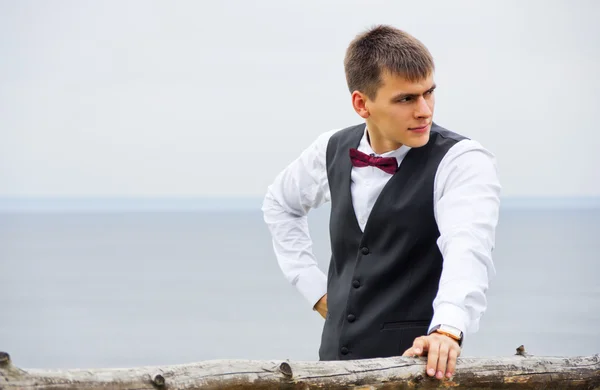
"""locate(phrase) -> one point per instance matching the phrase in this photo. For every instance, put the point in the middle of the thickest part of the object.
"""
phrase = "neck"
(380, 144)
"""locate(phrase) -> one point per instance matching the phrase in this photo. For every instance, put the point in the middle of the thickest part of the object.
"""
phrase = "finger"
(420, 345)
(452, 356)
(410, 352)
(442, 360)
(432, 360)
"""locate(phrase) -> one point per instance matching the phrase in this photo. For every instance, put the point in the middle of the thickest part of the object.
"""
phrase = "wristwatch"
(449, 331)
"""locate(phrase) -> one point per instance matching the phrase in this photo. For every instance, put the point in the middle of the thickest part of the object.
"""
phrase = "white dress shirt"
(466, 205)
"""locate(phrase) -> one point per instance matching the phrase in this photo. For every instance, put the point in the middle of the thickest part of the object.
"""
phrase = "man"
(414, 209)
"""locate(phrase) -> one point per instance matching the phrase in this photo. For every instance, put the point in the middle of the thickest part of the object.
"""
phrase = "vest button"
(351, 317)
(344, 351)
(364, 250)
(355, 284)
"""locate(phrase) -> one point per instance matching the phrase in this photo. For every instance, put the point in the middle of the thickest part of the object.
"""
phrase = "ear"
(359, 103)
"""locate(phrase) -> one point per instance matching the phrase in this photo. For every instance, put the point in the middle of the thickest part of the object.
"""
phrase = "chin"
(418, 141)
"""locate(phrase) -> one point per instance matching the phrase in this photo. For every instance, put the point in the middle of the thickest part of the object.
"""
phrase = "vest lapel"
(346, 175)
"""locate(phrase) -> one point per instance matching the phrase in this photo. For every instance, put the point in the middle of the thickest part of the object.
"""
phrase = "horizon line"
(225, 203)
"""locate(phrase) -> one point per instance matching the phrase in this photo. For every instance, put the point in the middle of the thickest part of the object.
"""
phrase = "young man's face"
(401, 112)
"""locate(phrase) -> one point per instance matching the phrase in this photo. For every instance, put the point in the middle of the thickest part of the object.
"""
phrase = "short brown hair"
(384, 48)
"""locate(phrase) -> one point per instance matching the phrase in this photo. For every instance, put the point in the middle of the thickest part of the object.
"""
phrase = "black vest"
(381, 283)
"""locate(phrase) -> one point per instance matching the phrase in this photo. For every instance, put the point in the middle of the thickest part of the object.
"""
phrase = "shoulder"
(464, 158)
(316, 151)
(467, 163)
(351, 131)
(334, 136)
(441, 136)
(459, 145)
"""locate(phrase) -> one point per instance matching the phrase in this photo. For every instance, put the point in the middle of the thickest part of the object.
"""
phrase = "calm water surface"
(129, 289)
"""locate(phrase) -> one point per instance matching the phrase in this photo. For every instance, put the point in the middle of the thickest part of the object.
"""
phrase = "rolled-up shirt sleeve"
(466, 206)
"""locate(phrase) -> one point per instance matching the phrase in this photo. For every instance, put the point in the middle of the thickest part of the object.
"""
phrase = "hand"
(321, 306)
(441, 351)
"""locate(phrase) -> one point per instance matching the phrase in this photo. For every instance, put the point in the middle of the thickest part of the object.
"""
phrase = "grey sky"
(160, 98)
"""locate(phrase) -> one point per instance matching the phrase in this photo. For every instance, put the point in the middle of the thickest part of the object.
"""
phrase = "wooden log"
(516, 372)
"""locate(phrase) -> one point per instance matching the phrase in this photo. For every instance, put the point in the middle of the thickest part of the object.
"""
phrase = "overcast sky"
(193, 98)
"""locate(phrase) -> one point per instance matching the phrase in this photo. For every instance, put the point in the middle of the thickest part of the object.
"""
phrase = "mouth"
(421, 129)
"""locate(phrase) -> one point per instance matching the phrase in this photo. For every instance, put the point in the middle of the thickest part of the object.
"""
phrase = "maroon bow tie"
(386, 164)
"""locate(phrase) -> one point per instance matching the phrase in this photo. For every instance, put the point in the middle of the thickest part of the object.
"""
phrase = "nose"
(423, 110)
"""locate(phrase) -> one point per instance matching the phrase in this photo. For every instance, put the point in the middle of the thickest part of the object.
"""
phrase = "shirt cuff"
(449, 314)
(312, 284)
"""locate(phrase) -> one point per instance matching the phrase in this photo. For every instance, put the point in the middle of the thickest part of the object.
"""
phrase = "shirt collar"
(365, 147)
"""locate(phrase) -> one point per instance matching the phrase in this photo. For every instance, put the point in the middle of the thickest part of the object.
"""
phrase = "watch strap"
(439, 329)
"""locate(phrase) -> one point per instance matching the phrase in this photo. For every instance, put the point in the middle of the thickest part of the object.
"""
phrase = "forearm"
(292, 245)
(461, 298)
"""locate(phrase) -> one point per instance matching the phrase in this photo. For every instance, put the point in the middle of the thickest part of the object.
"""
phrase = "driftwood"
(519, 372)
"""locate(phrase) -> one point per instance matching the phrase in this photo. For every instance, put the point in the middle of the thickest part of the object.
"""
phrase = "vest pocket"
(404, 325)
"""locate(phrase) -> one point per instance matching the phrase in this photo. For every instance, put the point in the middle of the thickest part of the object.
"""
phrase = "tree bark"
(516, 372)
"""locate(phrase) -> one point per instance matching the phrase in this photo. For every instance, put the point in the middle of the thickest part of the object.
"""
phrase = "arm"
(466, 206)
(301, 186)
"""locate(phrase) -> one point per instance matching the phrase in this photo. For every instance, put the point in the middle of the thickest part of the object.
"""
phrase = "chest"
(366, 184)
